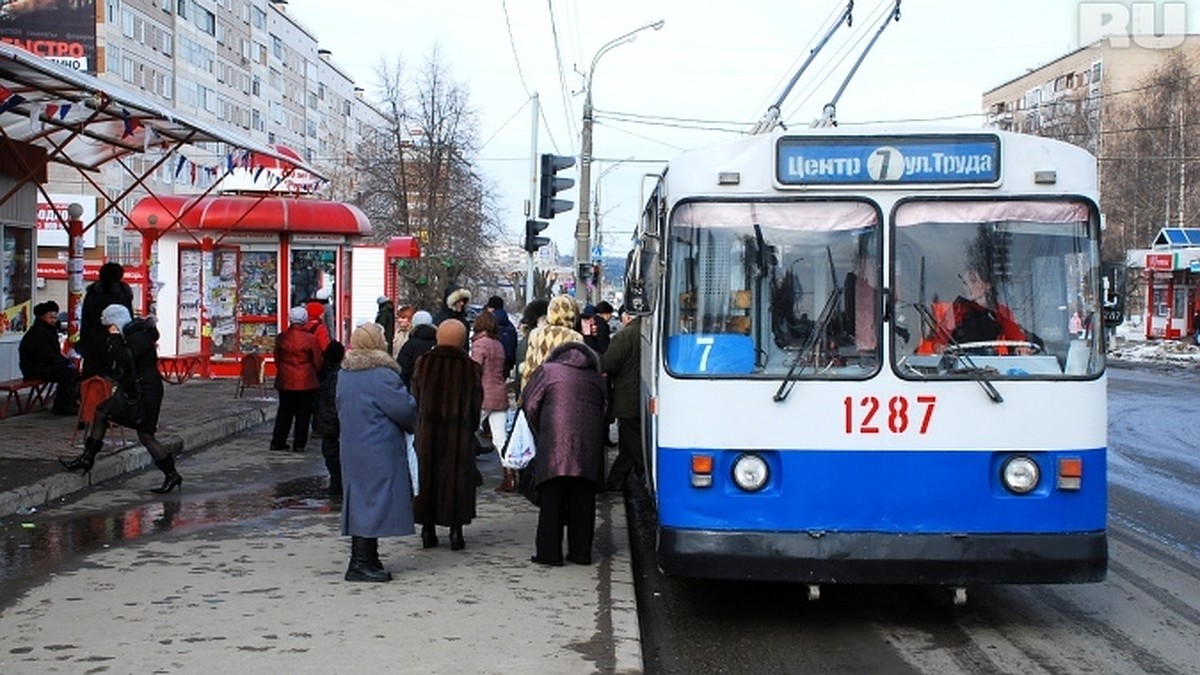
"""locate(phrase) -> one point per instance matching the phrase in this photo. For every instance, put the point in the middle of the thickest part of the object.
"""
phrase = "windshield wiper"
(978, 374)
(820, 330)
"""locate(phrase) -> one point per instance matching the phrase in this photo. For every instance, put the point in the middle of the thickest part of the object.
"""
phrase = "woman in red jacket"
(298, 361)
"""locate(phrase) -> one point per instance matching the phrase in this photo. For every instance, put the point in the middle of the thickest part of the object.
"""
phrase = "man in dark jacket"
(42, 359)
(622, 364)
(110, 289)
(386, 318)
(325, 419)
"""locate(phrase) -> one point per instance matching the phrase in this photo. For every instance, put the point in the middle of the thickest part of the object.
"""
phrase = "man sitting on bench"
(42, 359)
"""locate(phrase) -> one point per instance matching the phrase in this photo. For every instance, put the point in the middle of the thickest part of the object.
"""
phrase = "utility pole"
(533, 193)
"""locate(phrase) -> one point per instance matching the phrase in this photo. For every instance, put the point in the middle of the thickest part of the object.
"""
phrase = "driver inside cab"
(976, 316)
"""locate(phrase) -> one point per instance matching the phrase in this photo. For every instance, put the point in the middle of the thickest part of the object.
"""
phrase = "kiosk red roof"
(250, 214)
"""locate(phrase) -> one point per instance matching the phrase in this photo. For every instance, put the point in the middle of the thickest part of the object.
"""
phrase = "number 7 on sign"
(707, 343)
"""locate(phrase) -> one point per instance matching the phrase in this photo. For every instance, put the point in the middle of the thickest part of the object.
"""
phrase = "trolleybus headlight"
(1020, 475)
(750, 472)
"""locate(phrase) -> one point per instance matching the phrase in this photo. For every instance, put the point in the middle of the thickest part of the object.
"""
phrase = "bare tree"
(417, 178)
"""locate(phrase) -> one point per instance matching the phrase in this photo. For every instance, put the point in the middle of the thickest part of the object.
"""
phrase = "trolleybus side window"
(995, 288)
(771, 288)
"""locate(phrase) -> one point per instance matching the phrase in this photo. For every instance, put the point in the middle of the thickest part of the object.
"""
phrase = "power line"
(562, 77)
(513, 43)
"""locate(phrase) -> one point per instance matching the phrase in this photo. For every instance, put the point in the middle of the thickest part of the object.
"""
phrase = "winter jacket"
(446, 384)
(420, 340)
(39, 351)
(134, 360)
(298, 360)
(564, 404)
(375, 412)
(325, 417)
(487, 352)
(386, 317)
(622, 364)
(93, 335)
(507, 334)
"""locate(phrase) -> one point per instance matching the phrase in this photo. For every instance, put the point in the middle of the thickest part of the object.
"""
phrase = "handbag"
(519, 448)
(124, 409)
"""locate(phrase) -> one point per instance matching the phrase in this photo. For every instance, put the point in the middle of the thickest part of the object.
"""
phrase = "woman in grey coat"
(375, 411)
(564, 404)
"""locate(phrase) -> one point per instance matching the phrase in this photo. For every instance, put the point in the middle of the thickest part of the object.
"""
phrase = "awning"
(83, 121)
(250, 214)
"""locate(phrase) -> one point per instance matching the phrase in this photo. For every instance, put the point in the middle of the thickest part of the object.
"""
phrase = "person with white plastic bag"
(564, 403)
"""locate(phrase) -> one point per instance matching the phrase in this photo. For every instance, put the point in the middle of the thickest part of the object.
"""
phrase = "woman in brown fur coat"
(447, 386)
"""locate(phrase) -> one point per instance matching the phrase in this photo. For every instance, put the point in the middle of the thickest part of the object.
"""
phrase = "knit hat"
(588, 310)
(603, 307)
(495, 302)
(562, 311)
(382, 299)
(43, 307)
(368, 336)
(322, 294)
(297, 315)
(452, 332)
(115, 315)
(422, 318)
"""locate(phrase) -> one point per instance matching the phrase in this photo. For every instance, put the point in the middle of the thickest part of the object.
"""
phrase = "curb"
(128, 459)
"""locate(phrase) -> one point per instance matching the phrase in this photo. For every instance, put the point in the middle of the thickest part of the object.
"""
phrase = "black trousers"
(66, 380)
(566, 502)
(629, 452)
(295, 410)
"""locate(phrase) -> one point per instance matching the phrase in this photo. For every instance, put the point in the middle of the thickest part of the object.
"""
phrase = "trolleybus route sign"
(824, 160)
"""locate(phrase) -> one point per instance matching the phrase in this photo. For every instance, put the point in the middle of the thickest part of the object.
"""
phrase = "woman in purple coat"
(374, 413)
(564, 404)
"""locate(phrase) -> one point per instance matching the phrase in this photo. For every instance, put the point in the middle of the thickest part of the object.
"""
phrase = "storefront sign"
(91, 272)
(52, 232)
(1160, 261)
(332, 239)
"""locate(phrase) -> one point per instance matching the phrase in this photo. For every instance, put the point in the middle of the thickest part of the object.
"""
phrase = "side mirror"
(1112, 294)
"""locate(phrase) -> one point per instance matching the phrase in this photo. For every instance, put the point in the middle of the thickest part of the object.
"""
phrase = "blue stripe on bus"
(881, 491)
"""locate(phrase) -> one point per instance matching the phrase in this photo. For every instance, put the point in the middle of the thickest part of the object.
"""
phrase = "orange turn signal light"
(702, 466)
(1070, 473)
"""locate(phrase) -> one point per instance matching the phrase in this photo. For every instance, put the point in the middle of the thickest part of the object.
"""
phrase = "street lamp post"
(583, 227)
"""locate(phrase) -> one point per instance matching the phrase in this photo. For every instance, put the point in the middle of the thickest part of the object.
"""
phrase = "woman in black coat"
(137, 401)
(422, 337)
(93, 335)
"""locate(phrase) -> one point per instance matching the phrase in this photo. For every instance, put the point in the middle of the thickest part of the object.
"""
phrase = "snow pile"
(1129, 344)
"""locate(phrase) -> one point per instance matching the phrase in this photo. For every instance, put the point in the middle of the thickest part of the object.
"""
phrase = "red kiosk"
(228, 268)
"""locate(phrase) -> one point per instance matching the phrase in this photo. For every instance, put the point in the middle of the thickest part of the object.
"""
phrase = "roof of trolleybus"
(1027, 164)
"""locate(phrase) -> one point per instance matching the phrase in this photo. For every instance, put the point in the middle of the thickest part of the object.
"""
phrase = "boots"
(86, 460)
(171, 477)
(364, 556)
(428, 536)
(456, 538)
(509, 483)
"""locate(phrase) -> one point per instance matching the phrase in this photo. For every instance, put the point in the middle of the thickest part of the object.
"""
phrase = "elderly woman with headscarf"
(374, 412)
(138, 398)
(448, 388)
(558, 329)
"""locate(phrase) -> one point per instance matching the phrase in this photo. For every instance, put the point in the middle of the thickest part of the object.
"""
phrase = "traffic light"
(532, 241)
(548, 206)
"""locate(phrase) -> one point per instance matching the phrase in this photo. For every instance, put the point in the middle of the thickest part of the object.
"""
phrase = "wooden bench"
(179, 368)
(37, 393)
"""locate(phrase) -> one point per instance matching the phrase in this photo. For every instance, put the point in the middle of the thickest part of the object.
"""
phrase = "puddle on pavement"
(35, 544)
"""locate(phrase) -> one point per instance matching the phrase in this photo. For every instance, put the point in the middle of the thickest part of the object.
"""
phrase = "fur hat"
(368, 336)
(603, 307)
(115, 315)
(422, 318)
(111, 274)
(457, 295)
(297, 315)
(43, 307)
(452, 332)
(562, 311)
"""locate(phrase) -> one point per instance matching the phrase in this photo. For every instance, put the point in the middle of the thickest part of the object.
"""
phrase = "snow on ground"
(1130, 344)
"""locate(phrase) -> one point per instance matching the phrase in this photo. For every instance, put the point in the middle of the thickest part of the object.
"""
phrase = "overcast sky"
(714, 66)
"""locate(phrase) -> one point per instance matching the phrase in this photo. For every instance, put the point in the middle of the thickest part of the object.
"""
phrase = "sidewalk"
(445, 613)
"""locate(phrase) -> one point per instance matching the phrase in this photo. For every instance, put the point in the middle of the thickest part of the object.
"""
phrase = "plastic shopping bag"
(519, 449)
(414, 472)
